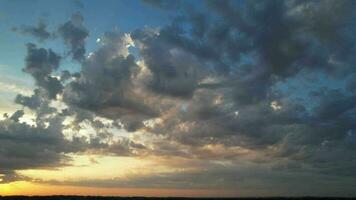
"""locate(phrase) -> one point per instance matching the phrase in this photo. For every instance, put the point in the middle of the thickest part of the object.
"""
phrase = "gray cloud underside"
(74, 34)
(220, 82)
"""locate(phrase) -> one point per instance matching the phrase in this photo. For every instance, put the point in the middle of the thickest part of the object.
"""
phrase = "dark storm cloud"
(40, 31)
(74, 34)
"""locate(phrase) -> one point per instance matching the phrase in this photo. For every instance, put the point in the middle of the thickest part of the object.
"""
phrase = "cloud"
(260, 52)
(174, 71)
(246, 179)
(40, 63)
(39, 31)
(18, 114)
(227, 83)
(74, 34)
(245, 64)
(13, 87)
(78, 3)
(25, 146)
(106, 84)
(163, 4)
(44, 145)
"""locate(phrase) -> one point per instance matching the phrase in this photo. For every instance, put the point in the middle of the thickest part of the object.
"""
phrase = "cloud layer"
(246, 84)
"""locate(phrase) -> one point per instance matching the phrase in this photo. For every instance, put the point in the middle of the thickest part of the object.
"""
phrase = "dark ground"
(157, 198)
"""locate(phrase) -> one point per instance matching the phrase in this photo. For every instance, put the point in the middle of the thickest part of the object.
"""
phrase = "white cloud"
(275, 106)
(13, 88)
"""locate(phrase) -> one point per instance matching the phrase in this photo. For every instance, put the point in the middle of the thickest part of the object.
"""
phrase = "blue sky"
(99, 17)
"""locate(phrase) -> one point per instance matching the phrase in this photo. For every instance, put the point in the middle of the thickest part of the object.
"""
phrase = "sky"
(210, 98)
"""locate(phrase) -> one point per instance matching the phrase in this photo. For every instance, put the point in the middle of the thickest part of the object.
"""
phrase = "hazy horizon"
(204, 98)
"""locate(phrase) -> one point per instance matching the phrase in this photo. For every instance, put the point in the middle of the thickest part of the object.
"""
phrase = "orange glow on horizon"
(34, 189)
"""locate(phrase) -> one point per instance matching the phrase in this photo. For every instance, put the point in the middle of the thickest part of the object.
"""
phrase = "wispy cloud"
(14, 88)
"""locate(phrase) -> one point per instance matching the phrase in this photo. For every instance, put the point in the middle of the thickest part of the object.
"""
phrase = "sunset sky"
(178, 98)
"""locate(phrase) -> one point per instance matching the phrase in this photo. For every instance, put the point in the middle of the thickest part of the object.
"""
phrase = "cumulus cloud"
(214, 85)
(74, 34)
(174, 71)
(260, 52)
(106, 84)
(44, 145)
(24, 146)
(40, 63)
